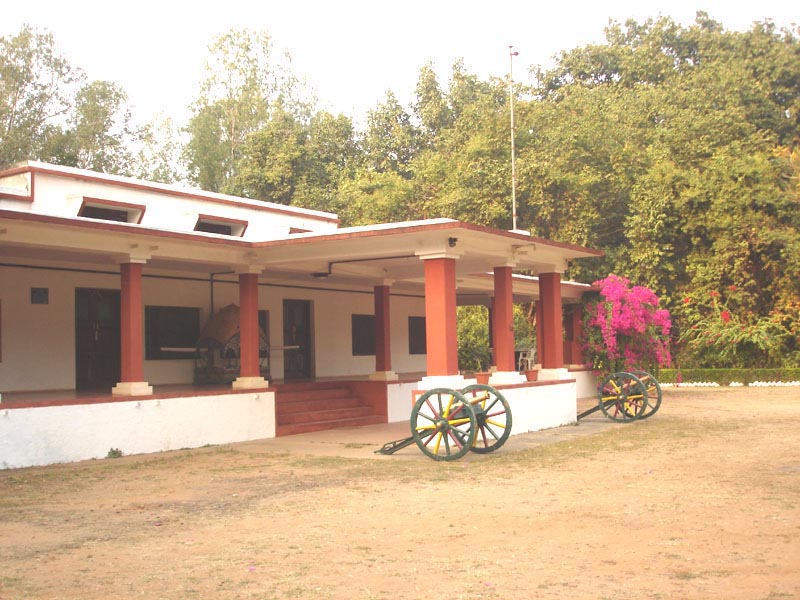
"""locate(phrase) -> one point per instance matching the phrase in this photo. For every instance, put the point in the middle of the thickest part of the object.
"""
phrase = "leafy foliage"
(722, 333)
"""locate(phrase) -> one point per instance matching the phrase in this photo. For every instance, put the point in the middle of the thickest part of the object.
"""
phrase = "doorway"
(97, 338)
(297, 332)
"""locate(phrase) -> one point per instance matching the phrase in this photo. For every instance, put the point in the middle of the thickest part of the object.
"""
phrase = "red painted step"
(325, 425)
(305, 407)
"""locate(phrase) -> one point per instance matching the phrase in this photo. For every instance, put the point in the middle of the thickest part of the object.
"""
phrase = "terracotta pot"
(483, 377)
(532, 374)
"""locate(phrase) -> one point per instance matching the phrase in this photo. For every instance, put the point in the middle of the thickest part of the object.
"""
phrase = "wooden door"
(97, 339)
(297, 332)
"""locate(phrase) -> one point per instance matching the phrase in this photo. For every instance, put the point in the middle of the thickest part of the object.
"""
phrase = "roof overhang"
(356, 256)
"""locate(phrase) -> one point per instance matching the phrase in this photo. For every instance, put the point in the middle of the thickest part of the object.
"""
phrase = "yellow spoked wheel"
(653, 393)
(492, 415)
(622, 397)
(443, 424)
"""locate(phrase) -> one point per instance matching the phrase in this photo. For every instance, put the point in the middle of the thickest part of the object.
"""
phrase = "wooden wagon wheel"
(443, 424)
(493, 417)
(622, 397)
(653, 393)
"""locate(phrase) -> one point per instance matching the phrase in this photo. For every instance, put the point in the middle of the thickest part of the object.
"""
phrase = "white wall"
(400, 400)
(586, 383)
(533, 407)
(542, 406)
(37, 436)
(38, 341)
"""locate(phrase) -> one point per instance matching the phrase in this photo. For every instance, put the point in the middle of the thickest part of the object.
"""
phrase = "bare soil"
(700, 501)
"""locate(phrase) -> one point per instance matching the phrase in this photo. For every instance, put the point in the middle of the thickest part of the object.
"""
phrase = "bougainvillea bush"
(625, 329)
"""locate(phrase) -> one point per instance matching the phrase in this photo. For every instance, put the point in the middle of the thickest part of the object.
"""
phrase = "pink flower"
(725, 316)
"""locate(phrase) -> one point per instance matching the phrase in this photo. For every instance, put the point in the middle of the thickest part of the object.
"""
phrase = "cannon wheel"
(493, 416)
(622, 397)
(653, 393)
(443, 424)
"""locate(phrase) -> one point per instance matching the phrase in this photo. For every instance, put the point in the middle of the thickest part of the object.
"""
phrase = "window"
(171, 332)
(263, 324)
(363, 335)
(109, 210)
(417, 344)
(220, 225)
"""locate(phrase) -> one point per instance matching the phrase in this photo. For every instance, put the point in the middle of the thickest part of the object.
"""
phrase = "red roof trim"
(112, 226)
(346, 235)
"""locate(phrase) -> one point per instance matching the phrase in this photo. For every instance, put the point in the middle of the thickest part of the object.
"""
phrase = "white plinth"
(384, 376)
(132, 388)
(250, 383)
(554, 374)
(453, 382)
(507, 378)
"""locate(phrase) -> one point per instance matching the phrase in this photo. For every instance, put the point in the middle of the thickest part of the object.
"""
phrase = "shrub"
(625, 329)
(719, 335)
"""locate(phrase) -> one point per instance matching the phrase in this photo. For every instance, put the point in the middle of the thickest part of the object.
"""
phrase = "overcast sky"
(349, 51)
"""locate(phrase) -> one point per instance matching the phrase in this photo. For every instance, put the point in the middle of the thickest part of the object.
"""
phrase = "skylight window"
(220, 225)
(109, 210)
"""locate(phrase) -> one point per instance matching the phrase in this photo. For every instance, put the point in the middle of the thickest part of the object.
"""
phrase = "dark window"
(363, 335)
(171, 332)
(213, 228)
(263, 324)
(417, 344)
(106, 214)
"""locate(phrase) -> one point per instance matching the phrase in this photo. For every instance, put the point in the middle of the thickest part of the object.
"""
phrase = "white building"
(107, 283)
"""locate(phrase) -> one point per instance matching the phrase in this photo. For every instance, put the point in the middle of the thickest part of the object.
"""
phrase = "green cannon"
(627, 396)
(446, 424)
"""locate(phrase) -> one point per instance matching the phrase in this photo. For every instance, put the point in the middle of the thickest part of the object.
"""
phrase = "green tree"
(99, 134)
(391, 140)
(36, 92)
(244, 82)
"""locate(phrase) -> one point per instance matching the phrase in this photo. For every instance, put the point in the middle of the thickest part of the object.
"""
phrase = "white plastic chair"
(527, 358)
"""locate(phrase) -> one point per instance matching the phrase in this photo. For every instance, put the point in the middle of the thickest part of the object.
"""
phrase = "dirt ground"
(701, 501)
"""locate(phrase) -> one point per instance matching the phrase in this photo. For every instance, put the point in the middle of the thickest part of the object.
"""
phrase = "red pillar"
(383, 341)
(552, 318)
(539, 332)
(131, 331)
(248, 325)
(503, 320)
(440, 316)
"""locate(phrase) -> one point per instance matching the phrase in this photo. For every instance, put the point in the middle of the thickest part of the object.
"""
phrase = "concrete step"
(296, 428)
(287, 408)
(312, 394)
(334, 414)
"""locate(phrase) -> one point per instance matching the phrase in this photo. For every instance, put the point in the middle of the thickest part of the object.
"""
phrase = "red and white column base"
(249, 383)
(132, 388)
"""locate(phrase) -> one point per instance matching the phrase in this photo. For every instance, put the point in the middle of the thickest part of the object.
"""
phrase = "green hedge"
(726, 376)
